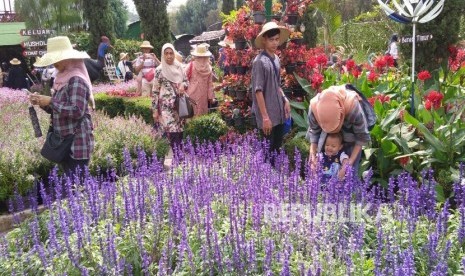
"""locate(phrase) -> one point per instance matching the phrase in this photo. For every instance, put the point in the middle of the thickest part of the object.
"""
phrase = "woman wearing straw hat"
(270, 106)
(200, 77)
(124, 66)
(145, 67)
(169, 81)
(17, 78)
(68, 106)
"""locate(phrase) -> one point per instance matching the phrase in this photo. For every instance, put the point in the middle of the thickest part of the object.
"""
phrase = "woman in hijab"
(199, 74)
(169, 81)
(69, 103)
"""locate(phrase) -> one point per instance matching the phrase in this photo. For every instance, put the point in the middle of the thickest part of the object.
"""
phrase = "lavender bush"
(223, 210)
(20, 159)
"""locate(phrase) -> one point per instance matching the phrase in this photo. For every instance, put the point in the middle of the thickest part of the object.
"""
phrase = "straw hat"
(59, 48)
(146, 44)
(122, 56)
(201, 50)
(226, 42)
(15, 61)
(283, 36)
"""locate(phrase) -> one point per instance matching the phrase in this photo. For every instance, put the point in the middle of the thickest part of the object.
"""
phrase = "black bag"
(56, 148)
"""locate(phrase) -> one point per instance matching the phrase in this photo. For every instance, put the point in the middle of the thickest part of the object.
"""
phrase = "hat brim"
(224, 44)
(15, 63)
(123, 57)
(207, 54)
(52, 58)
(283, 36)
(146, 47)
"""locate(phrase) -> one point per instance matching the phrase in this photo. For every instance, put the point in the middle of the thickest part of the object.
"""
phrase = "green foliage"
(191, 17)
(120, 17)
(205, 128)
(154, 22)
(82, 40)
(297, 144)
(99, 15)
(119, 106)
(228, 6)
(445, 30)
(60, 15)
(310, 33)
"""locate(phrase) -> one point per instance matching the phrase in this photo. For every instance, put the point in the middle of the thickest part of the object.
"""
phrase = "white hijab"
(173, 72)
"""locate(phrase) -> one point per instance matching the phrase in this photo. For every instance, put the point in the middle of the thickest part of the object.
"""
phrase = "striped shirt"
(354, 128)
(69, 107)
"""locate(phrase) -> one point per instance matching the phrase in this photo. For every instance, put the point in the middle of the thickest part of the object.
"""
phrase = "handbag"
(150, 75)
(185, 106)
(56, 148)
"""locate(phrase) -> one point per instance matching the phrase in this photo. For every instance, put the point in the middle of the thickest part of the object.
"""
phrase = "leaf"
(299, 120)
(298, 105)
(392, 117)
(440, 197)
(306, 86)
(388, 147)
(430, 138)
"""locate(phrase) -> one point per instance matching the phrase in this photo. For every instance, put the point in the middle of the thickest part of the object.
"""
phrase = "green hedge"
(119, 106)
(206, 128)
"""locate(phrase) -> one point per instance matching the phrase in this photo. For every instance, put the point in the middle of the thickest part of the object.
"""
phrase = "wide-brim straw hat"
(59, 48)
(226, 42)
(283, 35)
(122, 56)
(15, 61)
(146, 44)
(201, 50)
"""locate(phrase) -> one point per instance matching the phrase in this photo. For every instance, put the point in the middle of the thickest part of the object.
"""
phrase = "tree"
(99, 16)
(330, 17)
(193, 16)
(61, 15)
(311, 32)
(445, 30)
(154, 22)
(120, 17)
(228, 6)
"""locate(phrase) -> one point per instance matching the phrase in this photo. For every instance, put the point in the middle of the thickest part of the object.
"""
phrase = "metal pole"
(412, 91)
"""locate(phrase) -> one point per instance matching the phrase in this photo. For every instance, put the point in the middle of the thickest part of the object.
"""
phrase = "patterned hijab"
(173, 72)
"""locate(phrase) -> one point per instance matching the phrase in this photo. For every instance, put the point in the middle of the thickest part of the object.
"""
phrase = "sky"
(172, 5)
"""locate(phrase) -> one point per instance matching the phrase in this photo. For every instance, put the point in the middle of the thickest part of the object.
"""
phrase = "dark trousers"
(69, 165)
(275, 140)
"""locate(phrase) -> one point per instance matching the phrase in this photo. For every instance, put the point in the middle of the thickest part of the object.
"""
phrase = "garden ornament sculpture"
(414, 12)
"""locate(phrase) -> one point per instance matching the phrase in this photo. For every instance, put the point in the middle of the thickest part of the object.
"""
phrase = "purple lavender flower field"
(223, 210)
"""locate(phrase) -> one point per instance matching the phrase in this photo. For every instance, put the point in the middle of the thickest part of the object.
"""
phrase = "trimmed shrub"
(300, 144)
(119, 106)
(206, 128)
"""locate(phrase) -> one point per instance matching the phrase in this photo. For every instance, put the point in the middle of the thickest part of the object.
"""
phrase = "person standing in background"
(17, 78)
(393, 49)
(200, 76)
(124, 66)
(145, 67)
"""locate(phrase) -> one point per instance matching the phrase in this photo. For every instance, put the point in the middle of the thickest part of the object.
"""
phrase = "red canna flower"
(404, 161)
(372, 77)
(322, 59)
(389, 60)
(350, 64)
(433, 100)
(317, 80)
(355, 72)
(424, 75)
